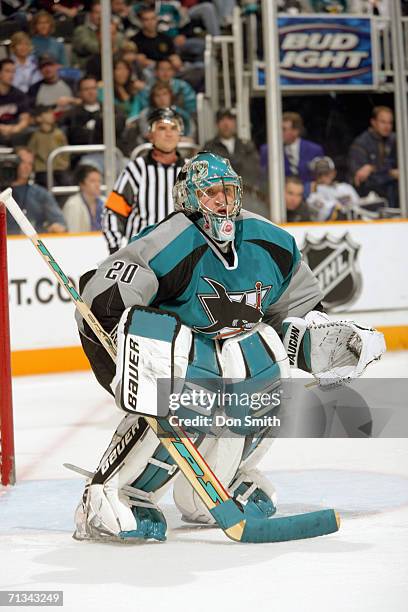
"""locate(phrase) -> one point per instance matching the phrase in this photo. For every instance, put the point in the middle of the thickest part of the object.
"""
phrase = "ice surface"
(363, 567)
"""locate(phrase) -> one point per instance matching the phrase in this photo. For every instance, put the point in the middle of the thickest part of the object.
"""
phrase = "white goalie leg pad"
(223, 455)
(248, 472)
(152, 345)
(106, 506)
(256, 480)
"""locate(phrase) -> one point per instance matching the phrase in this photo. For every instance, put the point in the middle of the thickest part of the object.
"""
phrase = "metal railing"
(79, 149)
(227, 84)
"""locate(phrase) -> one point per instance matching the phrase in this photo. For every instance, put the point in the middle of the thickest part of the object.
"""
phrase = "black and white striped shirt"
(141, 196)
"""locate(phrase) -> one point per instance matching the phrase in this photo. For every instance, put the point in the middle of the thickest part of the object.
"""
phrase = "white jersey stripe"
(148, 186)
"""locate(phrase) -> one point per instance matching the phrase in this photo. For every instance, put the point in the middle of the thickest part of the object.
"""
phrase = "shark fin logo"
(232, 312)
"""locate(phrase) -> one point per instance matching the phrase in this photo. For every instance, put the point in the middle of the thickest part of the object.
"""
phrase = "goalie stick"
(226, 511)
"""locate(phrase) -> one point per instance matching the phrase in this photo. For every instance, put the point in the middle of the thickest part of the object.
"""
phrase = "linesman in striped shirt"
(142, 194)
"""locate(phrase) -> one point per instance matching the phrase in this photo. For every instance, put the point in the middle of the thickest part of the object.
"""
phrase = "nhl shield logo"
(334, 262)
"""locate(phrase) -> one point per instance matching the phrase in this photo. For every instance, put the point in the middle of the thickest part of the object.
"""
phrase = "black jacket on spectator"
(12, 104)
(371, 148)
(157, 48)
(299, 215)
(244, 160)
(84, 126)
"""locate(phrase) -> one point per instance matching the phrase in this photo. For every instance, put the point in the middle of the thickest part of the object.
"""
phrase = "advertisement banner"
(335, 53)
(360, 266)
(41, 313)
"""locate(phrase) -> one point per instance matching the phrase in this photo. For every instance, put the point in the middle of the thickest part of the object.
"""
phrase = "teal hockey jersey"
(175, 266)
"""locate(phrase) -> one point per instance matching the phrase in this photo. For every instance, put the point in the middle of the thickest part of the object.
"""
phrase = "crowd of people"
(52, 95)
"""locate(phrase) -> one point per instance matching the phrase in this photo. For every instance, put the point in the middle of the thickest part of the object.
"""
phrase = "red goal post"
(7, 463)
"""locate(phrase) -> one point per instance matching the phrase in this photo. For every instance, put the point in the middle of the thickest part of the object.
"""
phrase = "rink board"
(44, 337)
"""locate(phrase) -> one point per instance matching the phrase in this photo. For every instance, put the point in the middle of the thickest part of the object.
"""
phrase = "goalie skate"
(102, 516)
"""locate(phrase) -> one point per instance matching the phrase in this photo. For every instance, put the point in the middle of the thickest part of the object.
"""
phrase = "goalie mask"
(208, 185)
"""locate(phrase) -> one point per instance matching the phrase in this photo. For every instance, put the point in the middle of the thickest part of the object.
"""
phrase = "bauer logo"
(130, 374)
(334, 262)
(326, 51)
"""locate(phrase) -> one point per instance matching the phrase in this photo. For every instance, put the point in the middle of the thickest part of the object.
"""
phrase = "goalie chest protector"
(218, 295)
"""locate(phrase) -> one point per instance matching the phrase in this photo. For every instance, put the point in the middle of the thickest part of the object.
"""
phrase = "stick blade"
(286, 528)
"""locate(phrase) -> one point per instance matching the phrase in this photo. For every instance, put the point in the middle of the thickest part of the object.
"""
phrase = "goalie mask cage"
(7, 466)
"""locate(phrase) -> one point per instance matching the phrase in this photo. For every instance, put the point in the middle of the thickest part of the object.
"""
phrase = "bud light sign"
(332, 53)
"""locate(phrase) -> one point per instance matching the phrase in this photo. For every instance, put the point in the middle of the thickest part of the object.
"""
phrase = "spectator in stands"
(94, 64)
(373, 157)
(243, 156)
(210, 14)
(224, 10)
(128, 52)
(298, 151)
(83, 211)
(174, 21)
(123, 11)
(26, 73)
(153, 45)
(13, 16)
(161, 96)
(329, 200)
(60, 8)
(184, 94)
(14, 110)
(372, 7)
(292, 7)
(123, 87)
(84, 122)
(51, 90)
(297, 210)
(42, 142)
(329, 6)
(36, 202)
(85, 40)
(42, 27)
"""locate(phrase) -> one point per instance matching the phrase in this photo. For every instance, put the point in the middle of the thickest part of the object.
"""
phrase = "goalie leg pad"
(119, 502)
(152, 346)
(233, 457)
(246, 484)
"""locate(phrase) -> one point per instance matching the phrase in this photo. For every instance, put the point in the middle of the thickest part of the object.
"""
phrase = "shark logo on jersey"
(334, 262)
(232, 312)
